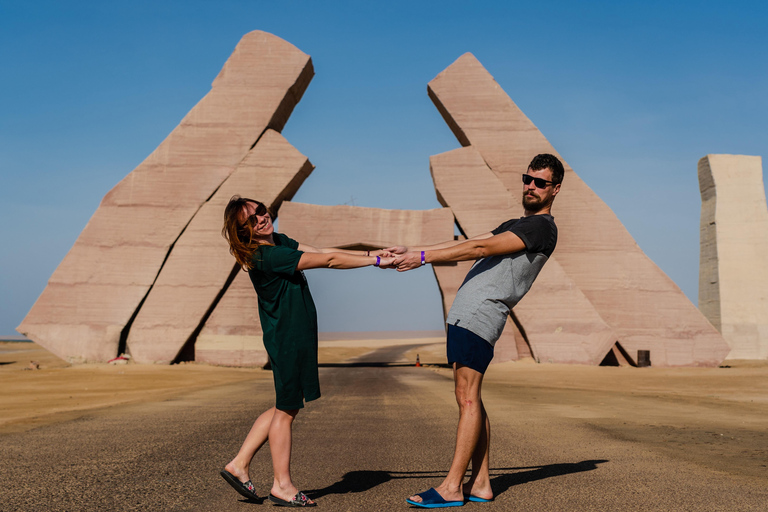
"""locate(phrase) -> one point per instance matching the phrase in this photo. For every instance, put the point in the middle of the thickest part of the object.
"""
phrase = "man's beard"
(532, 203)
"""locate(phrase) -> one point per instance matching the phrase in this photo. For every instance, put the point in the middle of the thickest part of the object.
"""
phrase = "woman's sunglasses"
(261, 211)
(539, 182)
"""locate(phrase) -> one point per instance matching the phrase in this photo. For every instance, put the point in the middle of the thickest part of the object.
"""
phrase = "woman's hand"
(387, 261)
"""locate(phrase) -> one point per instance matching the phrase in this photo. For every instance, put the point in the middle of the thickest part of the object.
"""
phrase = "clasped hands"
(398, 257)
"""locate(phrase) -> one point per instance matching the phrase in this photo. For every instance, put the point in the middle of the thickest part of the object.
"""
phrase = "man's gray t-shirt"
(495, 284)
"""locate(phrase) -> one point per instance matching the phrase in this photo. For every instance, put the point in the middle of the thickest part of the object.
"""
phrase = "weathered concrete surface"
(196, 272)
(571, 331)
(631, 294)
(98, 287)
(733, 265)
(232, 336)
(353, 226)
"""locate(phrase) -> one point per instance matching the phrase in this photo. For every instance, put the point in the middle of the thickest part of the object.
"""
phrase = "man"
(509, 259)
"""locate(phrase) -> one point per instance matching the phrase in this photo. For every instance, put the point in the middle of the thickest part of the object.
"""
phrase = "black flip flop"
(300, 500)
(245, 489)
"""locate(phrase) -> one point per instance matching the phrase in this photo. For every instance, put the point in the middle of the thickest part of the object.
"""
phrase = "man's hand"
(408, 261)
(397, 249)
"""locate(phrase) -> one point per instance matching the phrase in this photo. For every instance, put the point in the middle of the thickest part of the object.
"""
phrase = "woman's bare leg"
(255, 439)
(280, 441)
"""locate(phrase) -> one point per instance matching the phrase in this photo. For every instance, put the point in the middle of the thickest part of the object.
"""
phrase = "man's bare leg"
(479, 483)
(255, 439)
(471, 423)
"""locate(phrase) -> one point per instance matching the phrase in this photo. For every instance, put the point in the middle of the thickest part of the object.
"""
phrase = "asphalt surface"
(378, 434)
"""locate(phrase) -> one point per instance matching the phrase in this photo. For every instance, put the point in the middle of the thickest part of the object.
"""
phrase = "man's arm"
(399, 249)
(472, 249)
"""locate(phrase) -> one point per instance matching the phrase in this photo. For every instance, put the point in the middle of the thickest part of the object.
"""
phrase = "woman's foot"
(298, 500)
(238, 471)
(245, 489)
(291, 494)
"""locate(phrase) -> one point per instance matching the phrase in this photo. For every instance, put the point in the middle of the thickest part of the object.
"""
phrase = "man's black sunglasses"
(539, 182)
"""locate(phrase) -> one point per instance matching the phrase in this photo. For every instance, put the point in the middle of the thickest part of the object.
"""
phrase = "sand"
(722, 411)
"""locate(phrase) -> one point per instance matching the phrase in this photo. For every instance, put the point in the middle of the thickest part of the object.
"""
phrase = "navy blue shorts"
(467, 348)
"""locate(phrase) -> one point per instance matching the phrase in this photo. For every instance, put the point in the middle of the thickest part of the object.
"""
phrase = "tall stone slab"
(631, 294)
(196, 272)
(232, 335)
(570, 330)
(733, 265)
(93, 294)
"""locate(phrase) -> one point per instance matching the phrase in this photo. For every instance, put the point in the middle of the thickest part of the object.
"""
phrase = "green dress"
(289, 321)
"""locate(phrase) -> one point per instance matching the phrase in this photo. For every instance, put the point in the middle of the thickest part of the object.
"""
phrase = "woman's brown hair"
(240, 237)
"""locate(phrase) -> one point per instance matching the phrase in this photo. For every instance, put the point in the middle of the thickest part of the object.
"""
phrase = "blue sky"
(632, 95)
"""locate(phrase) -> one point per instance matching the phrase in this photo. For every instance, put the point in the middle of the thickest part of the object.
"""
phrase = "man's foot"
(433, 499)
(477, 493)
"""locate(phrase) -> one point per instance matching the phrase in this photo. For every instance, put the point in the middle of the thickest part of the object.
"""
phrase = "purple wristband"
(378, 262)
(423, 261)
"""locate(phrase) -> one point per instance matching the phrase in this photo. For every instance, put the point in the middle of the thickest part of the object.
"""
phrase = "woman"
(288, 318)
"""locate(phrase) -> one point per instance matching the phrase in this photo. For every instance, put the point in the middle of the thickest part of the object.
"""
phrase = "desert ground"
(138, 437)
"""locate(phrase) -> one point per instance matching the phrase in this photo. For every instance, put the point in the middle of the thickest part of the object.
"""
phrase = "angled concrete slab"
(195, 275)
(92, 296)
(632, 295)
(232, 335)
(571, 331)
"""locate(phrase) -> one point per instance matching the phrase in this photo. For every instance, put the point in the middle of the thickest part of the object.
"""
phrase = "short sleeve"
(278, 259)
(286, 241)
(504, 226)
(281, 258)
(536, 232)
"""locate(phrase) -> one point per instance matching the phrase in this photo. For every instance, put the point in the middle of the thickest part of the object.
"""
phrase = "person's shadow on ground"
(501, 478)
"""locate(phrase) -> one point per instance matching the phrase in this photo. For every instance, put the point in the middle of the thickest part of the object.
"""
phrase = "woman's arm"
(340, 260)
(325, 250)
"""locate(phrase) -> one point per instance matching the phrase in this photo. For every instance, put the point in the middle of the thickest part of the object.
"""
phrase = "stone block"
(196, 272)
(319, 226)
(257, 89)
(571, 331)
(232, 335)
(645, 309)
(733, 264)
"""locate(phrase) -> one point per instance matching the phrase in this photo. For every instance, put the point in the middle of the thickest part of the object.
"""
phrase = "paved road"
(377, 435)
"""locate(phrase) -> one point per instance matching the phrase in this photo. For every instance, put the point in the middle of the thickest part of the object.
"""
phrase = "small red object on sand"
(418, 363)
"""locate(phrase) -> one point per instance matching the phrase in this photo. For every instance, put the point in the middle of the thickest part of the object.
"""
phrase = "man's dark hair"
(544, 161)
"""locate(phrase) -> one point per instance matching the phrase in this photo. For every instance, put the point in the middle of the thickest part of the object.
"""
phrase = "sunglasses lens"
(539, 182)
(261, 210)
